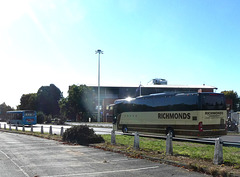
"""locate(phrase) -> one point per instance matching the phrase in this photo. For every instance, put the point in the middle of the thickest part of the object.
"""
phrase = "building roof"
(166, 86)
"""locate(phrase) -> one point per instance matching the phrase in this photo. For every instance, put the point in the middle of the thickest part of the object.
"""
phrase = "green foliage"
(40, 117)
(49, 101)
(48, 119)
(64, 108)
(48, 98)
(28, 102)
(45, 100)
(81, 135)
(79, 103)
(3, 109)
(231, 95)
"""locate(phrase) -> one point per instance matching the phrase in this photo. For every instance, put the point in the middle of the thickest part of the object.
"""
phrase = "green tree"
(48, 98)
(79, 104)
(28, 102)
(231, 95)
(65, 110)
(3, 110)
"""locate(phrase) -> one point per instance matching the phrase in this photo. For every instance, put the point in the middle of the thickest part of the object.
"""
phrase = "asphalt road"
(29, 156)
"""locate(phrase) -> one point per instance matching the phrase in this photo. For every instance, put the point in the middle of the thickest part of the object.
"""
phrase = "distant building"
(108, 94)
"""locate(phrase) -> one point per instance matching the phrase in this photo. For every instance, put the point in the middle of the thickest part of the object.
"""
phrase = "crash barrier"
(50, 130)
(61, 132)
(218, 150)
(42, 131)
(113, 137)
(136, 140)
(31, 129)
(169, 146)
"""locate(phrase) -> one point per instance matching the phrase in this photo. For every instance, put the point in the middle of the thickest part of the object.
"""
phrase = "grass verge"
(194, 156)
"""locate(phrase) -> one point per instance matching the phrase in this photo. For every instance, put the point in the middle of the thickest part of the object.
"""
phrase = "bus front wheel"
(124, 129)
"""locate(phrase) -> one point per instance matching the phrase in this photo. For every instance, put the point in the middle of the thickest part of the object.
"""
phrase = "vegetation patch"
(194, 156)
(81, 134)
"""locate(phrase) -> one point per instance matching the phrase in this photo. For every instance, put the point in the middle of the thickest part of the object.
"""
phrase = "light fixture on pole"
(98, 52)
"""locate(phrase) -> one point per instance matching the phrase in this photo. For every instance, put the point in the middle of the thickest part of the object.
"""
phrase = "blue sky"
(54, 41)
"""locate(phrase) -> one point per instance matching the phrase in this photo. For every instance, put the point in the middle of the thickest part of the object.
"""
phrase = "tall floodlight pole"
(98, 52)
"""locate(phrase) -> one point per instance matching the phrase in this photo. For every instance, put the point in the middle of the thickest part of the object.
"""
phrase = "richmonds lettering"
(213, 113)
(174, 115)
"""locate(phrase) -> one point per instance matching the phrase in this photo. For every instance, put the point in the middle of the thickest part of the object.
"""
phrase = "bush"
(40, 117)
(48, 119)
(81, 134)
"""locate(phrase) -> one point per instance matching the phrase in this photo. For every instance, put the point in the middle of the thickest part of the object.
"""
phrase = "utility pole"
(98, 52)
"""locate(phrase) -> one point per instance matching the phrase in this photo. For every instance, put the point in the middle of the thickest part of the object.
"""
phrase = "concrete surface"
(29, 156)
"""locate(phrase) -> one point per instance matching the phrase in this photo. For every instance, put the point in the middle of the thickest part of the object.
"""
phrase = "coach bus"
(182, 114)
(22, 117)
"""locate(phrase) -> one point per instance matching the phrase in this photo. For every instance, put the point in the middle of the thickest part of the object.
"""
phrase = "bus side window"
(19, 116)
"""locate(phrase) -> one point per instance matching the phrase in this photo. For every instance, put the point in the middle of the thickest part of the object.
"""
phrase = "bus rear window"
(213, 102)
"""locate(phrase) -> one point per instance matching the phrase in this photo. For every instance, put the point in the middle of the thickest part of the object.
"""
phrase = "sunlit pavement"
(28, 156)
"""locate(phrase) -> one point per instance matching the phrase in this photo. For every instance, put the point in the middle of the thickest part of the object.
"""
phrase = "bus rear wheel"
(124, 129)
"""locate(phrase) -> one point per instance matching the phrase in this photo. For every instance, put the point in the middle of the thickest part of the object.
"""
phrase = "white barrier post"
(136, 140)
(113, 138)
(23, 128)
(61, 132)
(218, 152)
(50, 130)
(169, 147)
(10, 127)
(31, 128)
(42, 130)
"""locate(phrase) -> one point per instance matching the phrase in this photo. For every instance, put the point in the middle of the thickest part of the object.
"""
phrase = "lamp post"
(98, 52)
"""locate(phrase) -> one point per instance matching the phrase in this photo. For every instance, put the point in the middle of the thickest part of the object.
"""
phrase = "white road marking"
(104, 172)
(15, 164)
